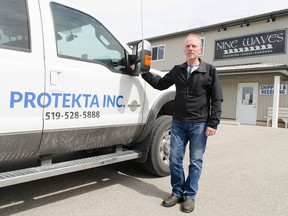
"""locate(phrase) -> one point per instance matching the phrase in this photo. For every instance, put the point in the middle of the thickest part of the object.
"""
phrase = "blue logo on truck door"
(64, 100)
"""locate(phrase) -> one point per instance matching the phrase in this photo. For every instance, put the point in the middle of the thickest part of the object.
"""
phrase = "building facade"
(250, 55)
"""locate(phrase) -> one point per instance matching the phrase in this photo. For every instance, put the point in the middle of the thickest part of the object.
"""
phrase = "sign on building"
(269, 89)
(251, 45)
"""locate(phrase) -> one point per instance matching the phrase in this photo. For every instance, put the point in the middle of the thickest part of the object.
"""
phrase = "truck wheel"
(157, 161)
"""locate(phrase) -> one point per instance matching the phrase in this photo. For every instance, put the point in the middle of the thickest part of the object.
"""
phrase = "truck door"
(22, 78)
(90, 101)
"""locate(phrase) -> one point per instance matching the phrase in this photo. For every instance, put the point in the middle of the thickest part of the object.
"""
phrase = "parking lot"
(245, 173)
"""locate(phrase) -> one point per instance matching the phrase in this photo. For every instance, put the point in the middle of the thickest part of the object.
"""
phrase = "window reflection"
(81, 37)
(14, 30)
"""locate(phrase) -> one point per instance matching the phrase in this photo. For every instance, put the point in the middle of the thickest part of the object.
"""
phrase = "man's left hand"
(210, 131)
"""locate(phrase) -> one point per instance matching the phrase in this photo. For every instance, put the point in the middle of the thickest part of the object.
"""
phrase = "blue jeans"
(181, 133)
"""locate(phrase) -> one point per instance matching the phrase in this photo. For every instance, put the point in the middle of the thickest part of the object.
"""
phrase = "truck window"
(14, 30)
(81, 37)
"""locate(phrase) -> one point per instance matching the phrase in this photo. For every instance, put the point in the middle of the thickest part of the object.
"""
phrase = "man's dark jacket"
(198, 97)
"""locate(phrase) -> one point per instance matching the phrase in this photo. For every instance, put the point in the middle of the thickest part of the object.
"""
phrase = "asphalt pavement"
(245, 173)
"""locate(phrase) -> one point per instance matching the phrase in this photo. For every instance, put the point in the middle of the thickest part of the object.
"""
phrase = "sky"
(160, 17)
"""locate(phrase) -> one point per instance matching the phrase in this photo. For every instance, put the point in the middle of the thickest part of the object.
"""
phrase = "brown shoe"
(188, 205)
(171, 201)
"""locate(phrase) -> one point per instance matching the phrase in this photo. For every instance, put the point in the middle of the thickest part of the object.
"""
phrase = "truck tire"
(157, 161)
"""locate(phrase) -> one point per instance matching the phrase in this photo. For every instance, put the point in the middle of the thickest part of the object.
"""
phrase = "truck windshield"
(81, 37)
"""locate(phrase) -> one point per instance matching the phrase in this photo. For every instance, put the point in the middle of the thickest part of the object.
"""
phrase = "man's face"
(192, 48)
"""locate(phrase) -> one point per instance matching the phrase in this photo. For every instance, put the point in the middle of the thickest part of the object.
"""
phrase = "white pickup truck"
(68, 98)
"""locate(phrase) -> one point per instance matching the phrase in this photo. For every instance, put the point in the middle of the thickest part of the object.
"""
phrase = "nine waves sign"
(251, 45)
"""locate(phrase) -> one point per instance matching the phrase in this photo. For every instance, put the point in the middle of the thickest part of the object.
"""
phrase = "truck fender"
(143, 144)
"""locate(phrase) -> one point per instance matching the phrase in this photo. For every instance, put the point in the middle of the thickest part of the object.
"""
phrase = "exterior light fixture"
(270, 18)
(244, 23)
(222, 28)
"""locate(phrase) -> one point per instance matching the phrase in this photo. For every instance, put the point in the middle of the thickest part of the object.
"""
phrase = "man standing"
(196, 116)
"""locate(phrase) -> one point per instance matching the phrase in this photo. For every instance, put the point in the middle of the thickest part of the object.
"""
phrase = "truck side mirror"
(142, 51)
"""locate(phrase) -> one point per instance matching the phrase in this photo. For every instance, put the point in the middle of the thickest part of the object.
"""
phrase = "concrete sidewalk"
(245, 172)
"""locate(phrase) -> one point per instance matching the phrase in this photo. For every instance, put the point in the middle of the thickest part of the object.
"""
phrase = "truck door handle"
(53, 78)
(56, 81)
